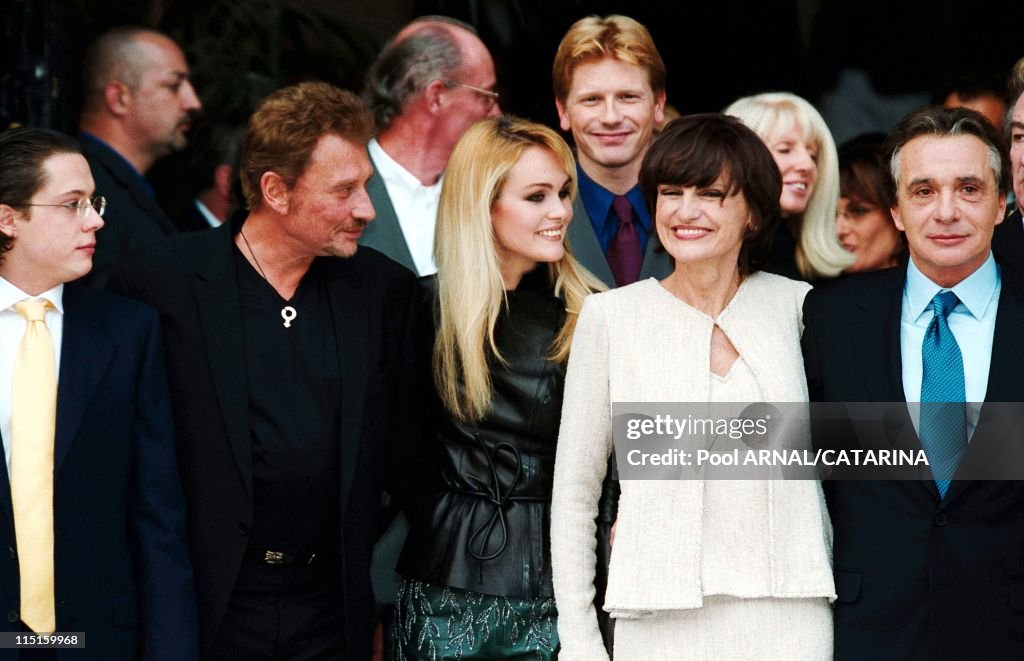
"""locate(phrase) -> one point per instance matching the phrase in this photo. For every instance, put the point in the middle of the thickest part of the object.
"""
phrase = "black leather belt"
(271, 557)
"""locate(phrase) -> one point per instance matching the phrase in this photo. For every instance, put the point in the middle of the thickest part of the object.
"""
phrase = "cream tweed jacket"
(642, 344)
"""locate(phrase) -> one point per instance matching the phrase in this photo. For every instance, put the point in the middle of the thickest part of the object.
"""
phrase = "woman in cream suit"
(700, 569)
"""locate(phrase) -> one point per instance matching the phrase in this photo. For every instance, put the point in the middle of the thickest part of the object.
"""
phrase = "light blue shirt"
(973, 323)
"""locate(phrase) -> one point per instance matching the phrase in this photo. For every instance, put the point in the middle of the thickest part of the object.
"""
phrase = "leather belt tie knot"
(497, 495)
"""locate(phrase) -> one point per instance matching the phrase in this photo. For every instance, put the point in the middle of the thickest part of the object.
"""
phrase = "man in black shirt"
(287, 350)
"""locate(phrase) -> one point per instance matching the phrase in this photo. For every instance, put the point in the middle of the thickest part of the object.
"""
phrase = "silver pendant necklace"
(288, 313)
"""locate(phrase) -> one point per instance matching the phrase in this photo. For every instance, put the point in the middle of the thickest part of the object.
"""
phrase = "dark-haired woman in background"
(863, 219)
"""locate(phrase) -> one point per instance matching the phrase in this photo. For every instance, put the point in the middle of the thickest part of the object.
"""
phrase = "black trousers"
(284, 613)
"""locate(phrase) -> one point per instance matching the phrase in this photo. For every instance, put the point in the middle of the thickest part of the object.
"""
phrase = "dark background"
(715, 51)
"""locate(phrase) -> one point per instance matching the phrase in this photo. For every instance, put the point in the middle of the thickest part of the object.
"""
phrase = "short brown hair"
(288, 124)
(615, 36)
(695, 150)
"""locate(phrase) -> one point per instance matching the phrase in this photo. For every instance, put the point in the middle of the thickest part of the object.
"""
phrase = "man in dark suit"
(930, 568)
(289, 352)
(213, 176)
(609, 83)
(138, 106)
(1008, 242)
(429, 84)
(91, 507)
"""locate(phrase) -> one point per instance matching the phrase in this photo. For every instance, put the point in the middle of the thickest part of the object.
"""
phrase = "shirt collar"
(976, 292)
(598, 201)
(392, 172)
(148, 187)
(11, 294)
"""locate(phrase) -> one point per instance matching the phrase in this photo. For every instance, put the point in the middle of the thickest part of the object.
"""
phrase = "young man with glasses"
(96, 514)
(430, 83)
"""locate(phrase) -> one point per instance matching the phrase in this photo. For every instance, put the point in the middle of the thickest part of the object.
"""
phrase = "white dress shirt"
(972, 321)
(12, 329)
(415, 205)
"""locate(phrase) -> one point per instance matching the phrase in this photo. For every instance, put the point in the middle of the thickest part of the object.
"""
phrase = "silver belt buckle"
(273, 558)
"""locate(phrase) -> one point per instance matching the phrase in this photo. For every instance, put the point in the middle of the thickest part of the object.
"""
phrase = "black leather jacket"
(483, 524)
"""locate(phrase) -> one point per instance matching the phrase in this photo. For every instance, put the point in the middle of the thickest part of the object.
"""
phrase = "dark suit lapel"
(127, 177)
(86, 353)
(215, 287)
(875, 336)
(657, 262)
(385, 233)
(6, 506)
(585, 246)
(351, 327)
(997, 425)
(1007, 363)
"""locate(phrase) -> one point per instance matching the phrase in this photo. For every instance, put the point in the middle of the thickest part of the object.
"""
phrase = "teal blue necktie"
(943, 426)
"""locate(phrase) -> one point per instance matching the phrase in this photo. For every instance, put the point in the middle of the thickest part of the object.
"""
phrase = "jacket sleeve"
(581, 461)
(170, 624)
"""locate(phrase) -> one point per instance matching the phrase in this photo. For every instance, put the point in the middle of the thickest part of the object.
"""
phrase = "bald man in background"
(138, 107)
(429, 84)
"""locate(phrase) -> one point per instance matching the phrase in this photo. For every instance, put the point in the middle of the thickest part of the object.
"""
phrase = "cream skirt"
(731, 629)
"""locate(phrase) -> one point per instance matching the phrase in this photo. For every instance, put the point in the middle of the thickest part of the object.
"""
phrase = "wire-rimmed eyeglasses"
(490, 95)
(81, 207)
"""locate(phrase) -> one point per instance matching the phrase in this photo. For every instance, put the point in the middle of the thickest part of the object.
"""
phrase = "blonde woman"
(806, 246)
(476, 563)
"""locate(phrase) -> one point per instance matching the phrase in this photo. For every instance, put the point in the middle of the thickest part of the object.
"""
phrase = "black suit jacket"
(121, 569)
(133, 218)
(191, 280)
(1008, 240)
(191, 219)
(916, 577)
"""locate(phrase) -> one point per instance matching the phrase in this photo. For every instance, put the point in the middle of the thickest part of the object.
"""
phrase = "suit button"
(243, 529)
(941, 519)
(12, 552)
(12, 616)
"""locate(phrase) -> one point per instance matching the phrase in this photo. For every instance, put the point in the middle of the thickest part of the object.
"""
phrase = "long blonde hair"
(471, 292)
(819, 253)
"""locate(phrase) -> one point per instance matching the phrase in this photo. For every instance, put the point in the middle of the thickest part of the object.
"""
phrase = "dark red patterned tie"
(625, 255)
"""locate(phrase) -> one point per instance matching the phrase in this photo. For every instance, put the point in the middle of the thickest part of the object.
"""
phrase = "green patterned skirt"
(436, 623)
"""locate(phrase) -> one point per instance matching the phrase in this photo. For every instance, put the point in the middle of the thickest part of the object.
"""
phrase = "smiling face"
(948, 203)
(797, 161)
(867, 231)
(328, 205)
(52, 244)
(531, 214)
(702, 223)
(611, 111)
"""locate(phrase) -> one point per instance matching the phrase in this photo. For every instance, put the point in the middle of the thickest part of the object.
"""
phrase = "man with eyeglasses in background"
(92, 500)
(138, 107)
(429, 84)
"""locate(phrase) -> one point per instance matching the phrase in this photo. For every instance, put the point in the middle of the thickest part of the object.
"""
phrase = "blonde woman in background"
(476, 562)
(806, 246)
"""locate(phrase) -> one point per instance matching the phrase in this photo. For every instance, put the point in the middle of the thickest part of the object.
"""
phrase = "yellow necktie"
(33, 421)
